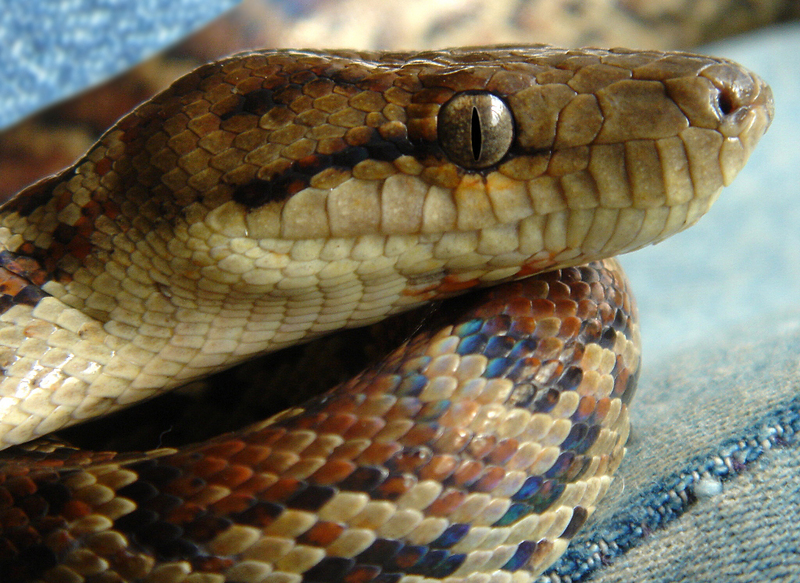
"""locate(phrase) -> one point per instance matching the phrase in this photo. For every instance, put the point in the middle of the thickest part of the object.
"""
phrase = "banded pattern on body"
(472, 453)
(278, 195)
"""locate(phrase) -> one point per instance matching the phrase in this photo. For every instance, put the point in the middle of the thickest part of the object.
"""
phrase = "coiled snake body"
(275, 196)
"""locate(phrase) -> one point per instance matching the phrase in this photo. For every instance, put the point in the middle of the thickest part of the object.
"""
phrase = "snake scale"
(274, 196)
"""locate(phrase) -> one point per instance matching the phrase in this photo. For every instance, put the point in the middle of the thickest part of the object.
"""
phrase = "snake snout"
(744, 102)
(743, 94)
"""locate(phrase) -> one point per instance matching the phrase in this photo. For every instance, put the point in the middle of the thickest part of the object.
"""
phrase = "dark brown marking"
(371, 145)
(34, 196)
(257, 103)
(579, 516)
(27, 268)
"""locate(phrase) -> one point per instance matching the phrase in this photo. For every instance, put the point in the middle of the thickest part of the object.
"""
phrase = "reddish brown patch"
(338, 423)
(103, 166)
(278, 462)
(570, 327)
(75, 509)
(601, 410)
(490, 479)
(258, 483)
(333, 472)
(11, 284)
(382, 385)
(322, 534)
(362, 574)
(481, 446)
(586, 407)
(208, 466)
(452, 440)
(504, 450)
(224, 449)
(233, 475)
(110, 209)
(378, 452)
(310, 421)
(410, 460)
(234, 503)
(251, 455)
(185, 486)
(446, 503)
(394, 487)
(347, 450)
(26, 267)
(621, 382)
(80, 247)
(405, 408)
(439, 468)
(282, 489)
(421, 434)
(365, 428)
(343, 404)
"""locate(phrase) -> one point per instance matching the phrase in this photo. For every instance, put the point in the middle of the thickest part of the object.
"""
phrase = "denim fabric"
(710, 487)
(760, 541)
(51, 49)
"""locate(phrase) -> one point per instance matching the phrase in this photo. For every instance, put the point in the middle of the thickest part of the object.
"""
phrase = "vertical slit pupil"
(476, 134)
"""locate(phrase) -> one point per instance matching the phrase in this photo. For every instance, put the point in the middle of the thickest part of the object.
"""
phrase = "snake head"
(360, 184)
(276, 195)
(559, 155)
(619, 134)
(448, 168)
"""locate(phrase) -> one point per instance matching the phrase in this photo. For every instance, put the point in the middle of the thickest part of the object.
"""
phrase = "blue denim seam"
(670, 499)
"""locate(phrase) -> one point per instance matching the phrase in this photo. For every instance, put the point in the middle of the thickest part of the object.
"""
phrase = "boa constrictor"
(278, 195)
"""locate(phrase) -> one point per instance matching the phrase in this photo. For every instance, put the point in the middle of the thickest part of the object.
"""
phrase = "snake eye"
(475, 129)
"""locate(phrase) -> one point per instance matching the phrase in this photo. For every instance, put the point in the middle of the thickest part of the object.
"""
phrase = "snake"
(278, 195)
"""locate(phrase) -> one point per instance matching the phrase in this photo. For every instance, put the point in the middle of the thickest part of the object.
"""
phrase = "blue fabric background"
(51, 49)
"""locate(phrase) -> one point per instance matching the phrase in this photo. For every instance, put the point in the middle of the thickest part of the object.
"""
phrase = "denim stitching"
(663, 504)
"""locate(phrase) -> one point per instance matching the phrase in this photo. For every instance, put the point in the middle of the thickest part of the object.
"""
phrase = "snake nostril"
(726, 101)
